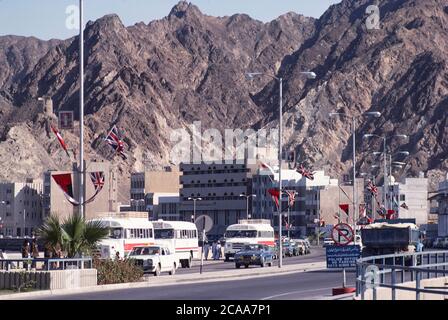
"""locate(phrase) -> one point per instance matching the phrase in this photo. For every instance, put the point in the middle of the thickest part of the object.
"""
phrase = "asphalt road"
(294, 286)
(317, 254)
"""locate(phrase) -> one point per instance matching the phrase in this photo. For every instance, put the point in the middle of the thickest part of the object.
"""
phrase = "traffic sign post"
(342, 254)
(203, 223)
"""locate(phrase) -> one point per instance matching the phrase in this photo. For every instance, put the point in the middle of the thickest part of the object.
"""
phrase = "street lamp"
(385, 185)
(375, 114)
(250, 76)
(1, 218)
(81, 109)
(247, 202)
(194, 207)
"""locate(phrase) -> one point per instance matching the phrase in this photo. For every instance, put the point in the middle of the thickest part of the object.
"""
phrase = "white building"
(413, 192)
(20, 208)
(306, 207)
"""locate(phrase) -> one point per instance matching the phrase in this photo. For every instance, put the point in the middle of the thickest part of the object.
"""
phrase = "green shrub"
(117, 271)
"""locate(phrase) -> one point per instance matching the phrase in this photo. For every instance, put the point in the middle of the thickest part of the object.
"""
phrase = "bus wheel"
(189, 263)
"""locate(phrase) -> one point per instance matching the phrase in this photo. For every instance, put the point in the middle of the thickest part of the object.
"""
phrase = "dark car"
(255, 254)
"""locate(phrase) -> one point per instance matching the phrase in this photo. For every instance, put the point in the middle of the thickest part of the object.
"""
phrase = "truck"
(390, 237)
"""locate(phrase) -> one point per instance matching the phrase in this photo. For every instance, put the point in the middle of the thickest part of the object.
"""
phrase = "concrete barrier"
(49, 280)
(386, 293)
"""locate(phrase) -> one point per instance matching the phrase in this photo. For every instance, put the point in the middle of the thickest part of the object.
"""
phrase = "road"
(291, 286)
(317, 254)
(294, 286)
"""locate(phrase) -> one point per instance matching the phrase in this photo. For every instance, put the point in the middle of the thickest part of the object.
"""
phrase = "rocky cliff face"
(150, 79)
(400, 70)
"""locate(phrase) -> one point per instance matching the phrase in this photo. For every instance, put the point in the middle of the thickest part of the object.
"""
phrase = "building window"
(402, 197)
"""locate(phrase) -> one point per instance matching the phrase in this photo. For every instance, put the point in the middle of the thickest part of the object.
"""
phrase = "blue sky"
(46, 19)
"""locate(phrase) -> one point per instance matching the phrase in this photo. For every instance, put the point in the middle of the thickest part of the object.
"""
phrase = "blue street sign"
(340, 257)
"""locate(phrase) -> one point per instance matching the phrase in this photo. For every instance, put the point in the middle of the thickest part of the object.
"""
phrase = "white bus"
(124, 235)
(180, 236)
(254, 231)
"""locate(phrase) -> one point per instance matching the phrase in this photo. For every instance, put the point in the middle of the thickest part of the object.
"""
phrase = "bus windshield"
(163, 233)
(116, 233)
(241, 234)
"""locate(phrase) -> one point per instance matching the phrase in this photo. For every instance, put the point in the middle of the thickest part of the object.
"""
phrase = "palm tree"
(74, 235)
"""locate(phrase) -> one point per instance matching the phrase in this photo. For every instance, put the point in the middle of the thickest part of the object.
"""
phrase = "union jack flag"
(304, 172)
(291, 197)
(113, 139)
(97, 179)
(372, 188)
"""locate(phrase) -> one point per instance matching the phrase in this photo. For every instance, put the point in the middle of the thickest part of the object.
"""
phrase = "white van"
(253, 231)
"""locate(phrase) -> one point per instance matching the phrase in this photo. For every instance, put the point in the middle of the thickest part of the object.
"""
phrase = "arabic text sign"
(339, 257)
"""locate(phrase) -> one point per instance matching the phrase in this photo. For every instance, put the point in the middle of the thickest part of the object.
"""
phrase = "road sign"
(66, 120)
(340, 257)
(204, 223)
(342, 234)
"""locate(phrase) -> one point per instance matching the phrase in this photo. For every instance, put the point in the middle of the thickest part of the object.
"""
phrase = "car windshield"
(116, 233)
(241, 234)
(163, 233)
(145, 251)
(252, 247)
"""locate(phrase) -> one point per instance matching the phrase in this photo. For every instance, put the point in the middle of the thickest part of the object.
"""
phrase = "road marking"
(292, 292)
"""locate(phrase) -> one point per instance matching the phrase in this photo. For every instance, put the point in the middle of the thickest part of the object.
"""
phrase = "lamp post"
(194, 207)
(247, 202)
(355, 196)
(81, 109)
(1, 217)
(385, 138)
(251, 75)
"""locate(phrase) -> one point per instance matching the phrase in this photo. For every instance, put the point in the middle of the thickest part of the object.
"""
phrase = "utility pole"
(81, 110)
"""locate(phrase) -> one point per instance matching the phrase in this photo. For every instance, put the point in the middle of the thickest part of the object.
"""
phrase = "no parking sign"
(342, 234)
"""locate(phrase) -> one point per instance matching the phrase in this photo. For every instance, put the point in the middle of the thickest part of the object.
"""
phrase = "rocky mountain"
(150, 79)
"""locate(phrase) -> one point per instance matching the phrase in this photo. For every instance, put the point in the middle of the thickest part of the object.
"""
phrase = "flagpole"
(280, 262)
(81, 110)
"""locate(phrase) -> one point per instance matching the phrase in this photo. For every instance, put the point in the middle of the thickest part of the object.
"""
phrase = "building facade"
(150, 182)
(442, 208)
(315, 200)
(219, 185)
(163, 206)
(413, 192)
(20, 208)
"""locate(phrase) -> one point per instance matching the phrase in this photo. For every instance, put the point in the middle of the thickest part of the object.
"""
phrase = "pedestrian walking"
(218, 251)
(34, 252)
(25, 252)
(48, 254)
(213, 250)
(206, 250)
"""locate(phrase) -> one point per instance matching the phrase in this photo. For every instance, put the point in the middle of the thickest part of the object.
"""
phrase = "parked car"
(328, 242)
(290, 248)
(254, 254)
(302, 247)
(155, 259)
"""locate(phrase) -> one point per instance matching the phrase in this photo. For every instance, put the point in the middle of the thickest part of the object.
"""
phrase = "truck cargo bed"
(389, 237)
